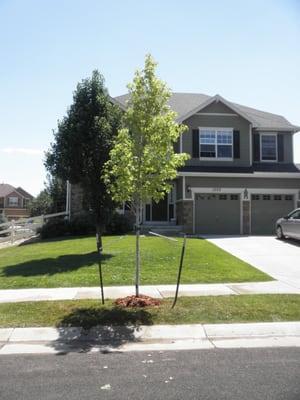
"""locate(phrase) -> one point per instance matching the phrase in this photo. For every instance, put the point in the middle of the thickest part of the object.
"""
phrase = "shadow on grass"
(51, 266)
(105, 328)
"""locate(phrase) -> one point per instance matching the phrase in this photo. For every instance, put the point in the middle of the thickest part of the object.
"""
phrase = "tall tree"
(82, 143)
(142, 162)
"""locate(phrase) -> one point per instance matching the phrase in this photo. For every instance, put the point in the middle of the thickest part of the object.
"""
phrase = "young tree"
(50, 200)
(82, 143)
(142, 162)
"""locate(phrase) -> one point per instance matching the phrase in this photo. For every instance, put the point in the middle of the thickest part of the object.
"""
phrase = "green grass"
(73, 262)
(88, 313)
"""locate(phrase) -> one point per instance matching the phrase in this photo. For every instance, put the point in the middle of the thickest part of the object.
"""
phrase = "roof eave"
(213, 99)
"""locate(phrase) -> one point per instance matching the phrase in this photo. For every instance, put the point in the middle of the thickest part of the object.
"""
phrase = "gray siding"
(264, 183)
(179, 188)
(288, 148)
(288, 157)
(237, 123)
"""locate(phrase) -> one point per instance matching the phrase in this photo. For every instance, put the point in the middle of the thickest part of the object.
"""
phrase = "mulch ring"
(137, 301)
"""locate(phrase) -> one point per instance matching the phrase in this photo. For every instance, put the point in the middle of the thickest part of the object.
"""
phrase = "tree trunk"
(137, 250)
(99, 237)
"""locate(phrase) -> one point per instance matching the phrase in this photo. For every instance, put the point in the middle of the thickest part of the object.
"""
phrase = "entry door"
(160, 210)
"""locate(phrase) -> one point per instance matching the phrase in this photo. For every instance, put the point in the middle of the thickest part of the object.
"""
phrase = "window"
(277, 197)
(216, 143)
(234, 197)
(266, 197)
(295, 215)
(13, 202)
(268, 145)
(223, 197)
(289, 197)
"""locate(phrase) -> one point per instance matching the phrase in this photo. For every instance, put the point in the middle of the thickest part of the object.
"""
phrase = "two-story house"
(241, 175)
(14, 202)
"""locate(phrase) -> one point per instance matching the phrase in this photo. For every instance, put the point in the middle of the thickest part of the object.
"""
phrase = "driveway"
(279, 259)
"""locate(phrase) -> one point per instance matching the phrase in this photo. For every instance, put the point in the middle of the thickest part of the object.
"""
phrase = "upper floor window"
(216, 143)
(13, 202)
(268, 145)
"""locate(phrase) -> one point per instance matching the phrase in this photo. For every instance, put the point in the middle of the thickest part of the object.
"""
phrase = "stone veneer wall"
(184, 211)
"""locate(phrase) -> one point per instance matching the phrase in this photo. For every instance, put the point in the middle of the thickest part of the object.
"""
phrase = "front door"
(160, 210)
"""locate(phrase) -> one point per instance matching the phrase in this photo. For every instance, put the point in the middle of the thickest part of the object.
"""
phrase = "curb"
(148, 338)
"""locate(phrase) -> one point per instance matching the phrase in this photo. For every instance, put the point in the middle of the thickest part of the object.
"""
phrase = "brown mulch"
(137, 301)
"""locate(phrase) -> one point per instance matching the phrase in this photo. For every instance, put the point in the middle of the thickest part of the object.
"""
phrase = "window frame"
(276, 145)
(13, 204)
(216, 130)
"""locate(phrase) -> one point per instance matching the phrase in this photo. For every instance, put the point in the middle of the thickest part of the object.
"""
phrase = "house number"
(216, 189)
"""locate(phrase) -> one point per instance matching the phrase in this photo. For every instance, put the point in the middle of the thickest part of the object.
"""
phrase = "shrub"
(119, 224)
(82, 224)
(54, 228)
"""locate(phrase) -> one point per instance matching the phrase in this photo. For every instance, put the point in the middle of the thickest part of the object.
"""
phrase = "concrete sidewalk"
(148, 338)
(159, 291)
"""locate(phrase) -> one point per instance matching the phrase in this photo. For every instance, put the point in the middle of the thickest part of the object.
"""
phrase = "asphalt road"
(256, 374)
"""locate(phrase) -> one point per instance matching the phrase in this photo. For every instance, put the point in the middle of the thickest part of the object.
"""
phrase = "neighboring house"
(241, 175)
(14, 202)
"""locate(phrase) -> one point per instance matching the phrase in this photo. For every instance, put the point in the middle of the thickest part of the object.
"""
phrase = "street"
(252, 374)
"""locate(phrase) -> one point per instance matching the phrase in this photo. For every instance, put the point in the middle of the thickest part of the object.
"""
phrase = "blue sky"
(246, 51)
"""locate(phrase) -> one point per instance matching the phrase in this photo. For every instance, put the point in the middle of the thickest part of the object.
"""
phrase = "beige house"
(14, 202)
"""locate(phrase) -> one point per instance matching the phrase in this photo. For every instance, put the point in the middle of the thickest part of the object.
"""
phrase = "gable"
(218, 108)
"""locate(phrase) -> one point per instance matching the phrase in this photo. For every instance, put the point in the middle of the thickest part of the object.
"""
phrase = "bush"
(119, 224)
(54, 228)
(82, 224)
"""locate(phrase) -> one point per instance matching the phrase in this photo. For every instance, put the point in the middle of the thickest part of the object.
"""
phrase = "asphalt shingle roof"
(6, 189)
(184, 103)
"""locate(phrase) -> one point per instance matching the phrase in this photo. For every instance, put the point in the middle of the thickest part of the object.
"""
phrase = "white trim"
(292, 129)
(261, 134)
(216, 114)
(216, 130)
(250, 144)
(183, 188)
(284, 175)
(180, 143)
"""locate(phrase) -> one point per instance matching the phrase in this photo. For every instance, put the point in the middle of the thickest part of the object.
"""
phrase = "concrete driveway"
(279, 259)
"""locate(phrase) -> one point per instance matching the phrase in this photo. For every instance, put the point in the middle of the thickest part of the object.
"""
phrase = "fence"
(24, 228)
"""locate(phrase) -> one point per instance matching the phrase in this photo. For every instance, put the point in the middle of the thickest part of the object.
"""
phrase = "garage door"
(266, 209)
(217, 213)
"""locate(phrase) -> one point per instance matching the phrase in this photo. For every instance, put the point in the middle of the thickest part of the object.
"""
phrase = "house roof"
(24, 193)
(6, 189)
(186, 104)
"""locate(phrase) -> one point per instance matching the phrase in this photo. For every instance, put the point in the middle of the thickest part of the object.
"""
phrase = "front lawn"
(189, 310)
(72, 262)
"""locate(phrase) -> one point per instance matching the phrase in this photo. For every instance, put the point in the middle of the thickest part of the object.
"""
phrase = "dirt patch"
(137, 301)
